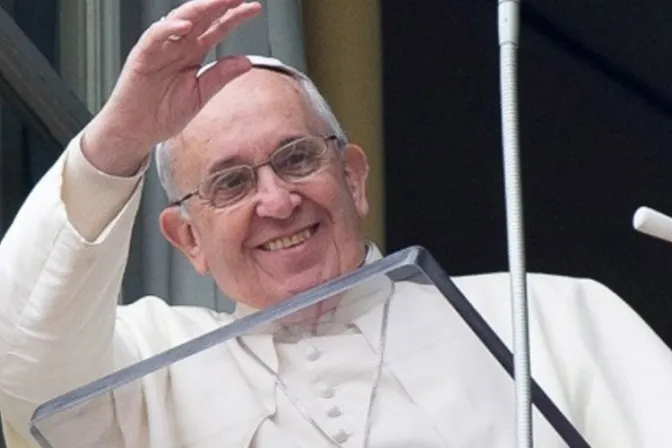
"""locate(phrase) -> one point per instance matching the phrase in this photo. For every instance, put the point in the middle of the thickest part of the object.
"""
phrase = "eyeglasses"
(291, 162)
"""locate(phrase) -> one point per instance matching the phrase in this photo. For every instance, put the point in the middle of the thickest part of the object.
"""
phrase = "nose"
(274, 199)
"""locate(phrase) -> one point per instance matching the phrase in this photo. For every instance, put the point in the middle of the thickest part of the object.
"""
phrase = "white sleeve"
(592, 354)
(61, 268)
(92, 198)
(625, 387)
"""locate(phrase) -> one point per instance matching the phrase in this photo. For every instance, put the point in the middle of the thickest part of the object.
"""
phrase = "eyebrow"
(228, 162)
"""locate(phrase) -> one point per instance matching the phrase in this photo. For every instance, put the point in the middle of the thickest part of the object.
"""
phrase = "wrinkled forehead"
(245, 121)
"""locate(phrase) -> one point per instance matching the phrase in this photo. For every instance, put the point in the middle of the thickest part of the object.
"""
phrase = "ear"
(181, 234)
(356, 173)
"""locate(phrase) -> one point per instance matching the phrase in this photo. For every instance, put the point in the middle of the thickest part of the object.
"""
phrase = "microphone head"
(653, 223)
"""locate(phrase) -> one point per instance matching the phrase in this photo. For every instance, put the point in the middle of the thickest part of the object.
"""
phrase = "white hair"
(163, 152)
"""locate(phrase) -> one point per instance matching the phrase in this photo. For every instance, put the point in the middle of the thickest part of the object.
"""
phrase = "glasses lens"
(228, 186)
(300, 158)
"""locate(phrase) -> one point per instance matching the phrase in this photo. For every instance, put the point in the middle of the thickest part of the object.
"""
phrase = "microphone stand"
(509, 27)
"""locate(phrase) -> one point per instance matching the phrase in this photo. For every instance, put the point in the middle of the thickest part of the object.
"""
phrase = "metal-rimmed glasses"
(296, 160)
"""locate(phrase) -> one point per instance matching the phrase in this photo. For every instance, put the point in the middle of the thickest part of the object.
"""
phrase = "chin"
(303, 282)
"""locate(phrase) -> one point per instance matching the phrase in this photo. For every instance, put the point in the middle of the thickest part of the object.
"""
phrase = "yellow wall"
(343, 52)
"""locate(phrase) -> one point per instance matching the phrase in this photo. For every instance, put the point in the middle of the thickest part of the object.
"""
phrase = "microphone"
(653, 223)
(508, 21)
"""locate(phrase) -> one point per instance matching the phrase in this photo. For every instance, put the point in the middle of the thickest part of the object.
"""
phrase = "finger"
(150, 52)
(203, 12)
(229, 21)
(154, 39)
(161, 31)
(198, 9)
(218, 75)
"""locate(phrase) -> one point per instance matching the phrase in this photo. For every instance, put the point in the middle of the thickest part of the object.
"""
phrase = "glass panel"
(303, 374)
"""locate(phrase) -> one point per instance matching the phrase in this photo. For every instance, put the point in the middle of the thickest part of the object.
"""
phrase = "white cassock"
(60, 327)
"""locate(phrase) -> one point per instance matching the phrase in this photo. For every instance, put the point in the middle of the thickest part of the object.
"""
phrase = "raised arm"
(62, 260)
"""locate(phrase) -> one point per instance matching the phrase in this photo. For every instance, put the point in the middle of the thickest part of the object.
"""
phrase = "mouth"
(287, 242)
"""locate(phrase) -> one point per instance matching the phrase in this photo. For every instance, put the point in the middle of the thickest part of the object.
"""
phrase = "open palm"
(158, 91)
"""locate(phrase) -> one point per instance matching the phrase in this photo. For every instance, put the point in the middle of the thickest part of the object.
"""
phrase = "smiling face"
(284, 237)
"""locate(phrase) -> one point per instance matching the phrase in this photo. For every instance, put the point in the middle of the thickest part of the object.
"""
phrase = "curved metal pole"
(508, 15)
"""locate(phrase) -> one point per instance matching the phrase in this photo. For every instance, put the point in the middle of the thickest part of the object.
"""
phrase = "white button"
(326, 392)
(334, 412)
(340, 437)
(312, 354)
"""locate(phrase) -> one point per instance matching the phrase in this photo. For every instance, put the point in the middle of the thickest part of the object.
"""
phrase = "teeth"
(288, 241)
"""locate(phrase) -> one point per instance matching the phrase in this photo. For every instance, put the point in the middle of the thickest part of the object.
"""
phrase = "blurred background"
(417, 85)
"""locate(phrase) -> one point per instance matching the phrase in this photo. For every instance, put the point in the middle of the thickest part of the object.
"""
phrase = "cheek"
(222, 236)
(345, 197)
(333, 195)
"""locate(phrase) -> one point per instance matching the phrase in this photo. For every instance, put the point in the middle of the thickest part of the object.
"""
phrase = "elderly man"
(267, 198)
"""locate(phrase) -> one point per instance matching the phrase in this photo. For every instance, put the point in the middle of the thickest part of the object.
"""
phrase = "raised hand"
(158, 92)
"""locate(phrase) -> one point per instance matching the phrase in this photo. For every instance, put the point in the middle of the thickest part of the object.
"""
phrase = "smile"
(289, 241)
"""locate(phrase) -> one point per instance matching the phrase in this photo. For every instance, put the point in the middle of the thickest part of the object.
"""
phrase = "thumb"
(212, 78)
